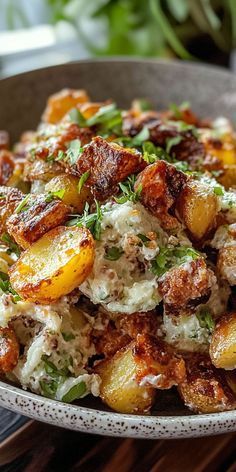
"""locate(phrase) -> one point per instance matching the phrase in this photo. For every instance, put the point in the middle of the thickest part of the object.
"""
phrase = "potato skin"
(71, 197)
(108, 164)
(41, 216)
(9, 350)
(61, 102)
(54, 265)
(6, 166)
(119, 389)
(10, 198)
(205, 389)
(161, 184)
(41, 170)
(197, 206)
(226, 264)
(223, 342)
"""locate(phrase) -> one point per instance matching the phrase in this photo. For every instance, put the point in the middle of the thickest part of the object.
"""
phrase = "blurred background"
(37, 33)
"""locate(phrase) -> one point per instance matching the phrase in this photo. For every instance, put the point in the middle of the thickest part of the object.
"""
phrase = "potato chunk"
(61, 102)
(9, 350)
(205, 389)
(119, 389)
(223, 342)
(161, 184)
(197, 206)
(9, 199)
(226, 264)
(39, 216)
(6, 166)
(41, 170)
(71, 197)
(108, 164)
(54, 265)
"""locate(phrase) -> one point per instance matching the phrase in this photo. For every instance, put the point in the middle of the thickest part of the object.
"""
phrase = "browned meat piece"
(158, 365)
(161, 185)
(9, 199)
(205, 389)
(4, 140)
(37, 217)
(61, 102)
(136, 323)
(9, 350)
(6, 166)
(108, 164)
(186, 284)
(110, 340)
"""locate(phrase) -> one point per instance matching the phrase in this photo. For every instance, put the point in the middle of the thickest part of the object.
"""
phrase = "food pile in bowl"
(118, 255)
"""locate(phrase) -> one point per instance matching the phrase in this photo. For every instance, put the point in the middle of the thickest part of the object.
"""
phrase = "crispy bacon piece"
(9, 199)
(186, 284)
(108, 164)
(158, 365)
(9, 350)
(4, 140)
(161, 185)
(61, 102)
(205, 389)
(136, 323)
(6, 166)
(110, 340)
(37, 218)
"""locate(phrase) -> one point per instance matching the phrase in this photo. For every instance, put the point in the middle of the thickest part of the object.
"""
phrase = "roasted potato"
(223, 149)
(41, 170)
(223, 342)
(197, 206)
(9, 350)
(205, 389)
(72, 196)
(108, 164)
(226, 264)
(6, 166)
(228, 176)
(119, 389)
(54, 265)
(9, 200)
(36, 218)
(60, 103)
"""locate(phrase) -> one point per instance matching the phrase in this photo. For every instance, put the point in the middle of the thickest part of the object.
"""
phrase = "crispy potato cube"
(223, 342)
(161, 184)
(197, 206)
(205, 389)
(119, 389)
(226, 264)
(54, 265)
(6, 166)
(39, 216)
(228, 176)
(9, 350)
(61, 102)
(9, 199)
(71, 196)
(41, 170)
(108, 164)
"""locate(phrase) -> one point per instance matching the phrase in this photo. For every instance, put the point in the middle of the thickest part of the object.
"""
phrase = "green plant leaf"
(75, 392)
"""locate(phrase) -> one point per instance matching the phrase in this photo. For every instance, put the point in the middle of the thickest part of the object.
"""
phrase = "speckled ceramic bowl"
(211, 91)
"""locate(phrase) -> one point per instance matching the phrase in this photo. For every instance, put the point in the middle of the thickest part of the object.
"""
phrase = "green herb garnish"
(144, 238)
(170, 142)
(136, 141)
(54, 194)
(23, 204)
(12, 246)
(127, 187)
(172, 257)
(92, 221)
(151, 153)
(82, 180)
(218, 190)
(178, 110)
(6, 287)
(205, 319)
(75, 392)
(48, 388)
(113, 253)
(73, 151)
(68, 336)
(76, 117)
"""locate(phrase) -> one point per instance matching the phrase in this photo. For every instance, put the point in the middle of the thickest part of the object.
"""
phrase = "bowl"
(211, 92)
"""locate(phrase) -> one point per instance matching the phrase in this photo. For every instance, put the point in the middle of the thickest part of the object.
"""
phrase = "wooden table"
(37, 447)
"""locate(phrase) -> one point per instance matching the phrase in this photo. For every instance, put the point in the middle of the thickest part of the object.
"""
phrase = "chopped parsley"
(54, 194)
(48, 388)
(73, 151)
(136, 141)
(108, 118)
(151, 153)
(12, 246)
(113, 253)
(129, 194)
(75, 392)
(68, 336)
(23, 204)
(92, 221)
(177, 110)
(170, 142)
(76, 117)
(218, 190)
(171, 257)
(83, 179)
(6, 287)
(205, 319)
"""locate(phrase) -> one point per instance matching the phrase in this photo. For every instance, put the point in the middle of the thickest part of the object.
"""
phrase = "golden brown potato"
(72, 196)
(197, 206)
(223, 149)
(6, 166)
(223, 342)
(61, 102)
(205, 389)
(54, 265)
(228, 176)
(41, 170)
(119, 389)
(108, 164)
(226, 264)
(89, 109)
(9, 350)
(161, 184)
(9, 200)
(39, 215)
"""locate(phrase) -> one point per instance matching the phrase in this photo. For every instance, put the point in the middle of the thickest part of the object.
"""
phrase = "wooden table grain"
(37, 447)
